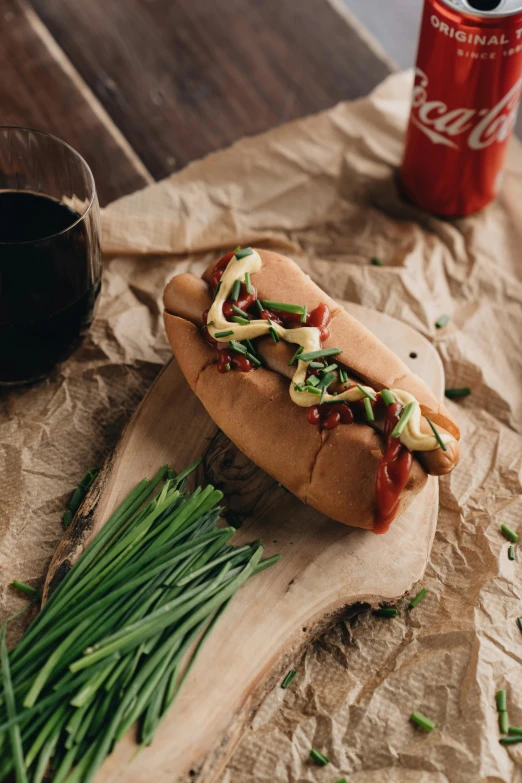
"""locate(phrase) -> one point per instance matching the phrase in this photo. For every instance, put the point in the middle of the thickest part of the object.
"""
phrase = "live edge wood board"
(325, 567)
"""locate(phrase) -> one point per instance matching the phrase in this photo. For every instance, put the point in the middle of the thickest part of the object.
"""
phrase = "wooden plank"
(39, 88)
(181, 79)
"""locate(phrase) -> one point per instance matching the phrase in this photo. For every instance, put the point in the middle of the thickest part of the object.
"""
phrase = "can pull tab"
(484, 5)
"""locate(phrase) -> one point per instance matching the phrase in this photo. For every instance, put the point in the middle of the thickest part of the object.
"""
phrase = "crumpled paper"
(323, 190)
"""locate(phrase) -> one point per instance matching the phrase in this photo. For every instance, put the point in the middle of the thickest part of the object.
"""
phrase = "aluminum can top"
(486, 8)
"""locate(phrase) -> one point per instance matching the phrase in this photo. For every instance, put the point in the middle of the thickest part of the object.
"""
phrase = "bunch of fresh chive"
(113, 644)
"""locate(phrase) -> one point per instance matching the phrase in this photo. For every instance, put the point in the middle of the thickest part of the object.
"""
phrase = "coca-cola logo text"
(482, 127)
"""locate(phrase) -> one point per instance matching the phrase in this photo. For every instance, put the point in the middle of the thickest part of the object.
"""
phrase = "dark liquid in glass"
(49, 283)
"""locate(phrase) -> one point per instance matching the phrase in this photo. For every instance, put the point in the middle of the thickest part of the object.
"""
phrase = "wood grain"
(184, 78)
(325, 566)
(39, 88)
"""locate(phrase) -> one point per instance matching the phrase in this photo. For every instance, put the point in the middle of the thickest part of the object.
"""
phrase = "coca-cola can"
(467, 88)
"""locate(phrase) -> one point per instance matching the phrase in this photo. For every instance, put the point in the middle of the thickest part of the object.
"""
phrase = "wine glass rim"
(88, 208)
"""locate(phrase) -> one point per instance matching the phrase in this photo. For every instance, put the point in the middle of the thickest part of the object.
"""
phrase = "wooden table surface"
(142, 87)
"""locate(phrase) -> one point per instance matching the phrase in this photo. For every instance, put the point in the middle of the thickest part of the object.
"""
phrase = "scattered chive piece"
(319, 758)
(341, 780)
(236, 288)
(283, 307)
(367, 394)
(510, 740)
(406, 415)
(235, 346)
(250, 347)
(369, 410)
(418, 598)
(327, 380)
(511, 553)
(422, 721)
(437, 434)
(509, 534)
(241, 321)
(227, 367)
(376, 262)
(313, 380)
(387, 611)
(216, 290)
(304, 314)
(330, 368)
(26, 589)
(519, 622)
(296, 354)
(387, 397)
(317, 365)
(515, 730)
(224, 334)
(243, 253)
(311, 355)
(237, 247)
(288, 679)
(314, 390)
(441, 322)
(248, 283)
(343, 376)
(255, 361)
(239, 311)
(503, 722)
(453, 394)
(275, 336)
(501, 701)
(260, 306)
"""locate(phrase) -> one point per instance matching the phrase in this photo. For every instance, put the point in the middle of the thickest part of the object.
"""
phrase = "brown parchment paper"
(322, 189)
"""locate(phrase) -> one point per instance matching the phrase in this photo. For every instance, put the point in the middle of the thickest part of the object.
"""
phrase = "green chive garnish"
(317, 365)
(275, 336)
(501, 701)
(238, 247)
(319, 758)
(368, 408)
(330, 368)
(283, 307)
(327, 380)
(255, 361)
(367, 394)
(26, 589)
(387, 611)
(216, 290)
(239, 320)
(323, 395)
(288, 679)
(387, 397)
(296, 354)
(248, 283)
(437, 434)
(314, 390)
(510, 740)
(227, 367)
(406, 415)
(509, 534)
(260, 306)
(236, 288)
(304, 314)
(441, 322)
(235, 346)
(343, 376)
(503, 722)
(250, 347)
(454, 394)
(515, 730)
(376, 262)
(243, 253)
(239, 311)
(511, 553)
(418, 598)
(311, 355)
(422, 721)
(313, 380)
(224, 334)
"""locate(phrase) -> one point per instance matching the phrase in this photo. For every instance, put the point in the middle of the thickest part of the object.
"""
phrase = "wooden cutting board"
(325, 567)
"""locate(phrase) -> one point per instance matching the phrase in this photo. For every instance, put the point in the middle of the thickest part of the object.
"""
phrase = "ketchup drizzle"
(393, 472)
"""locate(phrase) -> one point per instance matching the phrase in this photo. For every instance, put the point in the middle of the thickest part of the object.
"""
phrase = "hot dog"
(237, 348)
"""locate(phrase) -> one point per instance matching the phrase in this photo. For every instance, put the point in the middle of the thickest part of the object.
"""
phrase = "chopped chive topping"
(255, 361)
(367, 394)
(437, 434)
(327, 380)
(369, 410)
(235, 346)
(296, 354)
(422, 721)
(250, 347)
(323, 395)
(259, 306)
(224, 334)
(313, 380)
(501, 701)
(243, 253)
(441, 322)
(304, 314)
(319, 758)
(519, 622)
(387, 397)
(341, 780)
(26, 589)
(330, 368)
(503, 722)
(515, 730)
(454, 394)
(418, 598)
(509, 534)
(236, 288)
(377, 262)
(275, 336)
(313, 390)
(343, 376)
(248, 283)
(288, 679)
(239, 320)
(216, 290)
(238, 247)
(510, 740)
(311, 355)
(406, 415)
(317, 365)
(227, 366)
(386, 611)
(239, 311)
(511, 553)
(283, 307)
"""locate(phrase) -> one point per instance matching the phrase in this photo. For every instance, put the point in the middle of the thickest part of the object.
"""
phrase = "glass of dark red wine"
(50, 259)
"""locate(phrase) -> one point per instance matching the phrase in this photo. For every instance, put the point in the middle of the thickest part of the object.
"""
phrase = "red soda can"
(467, 87)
